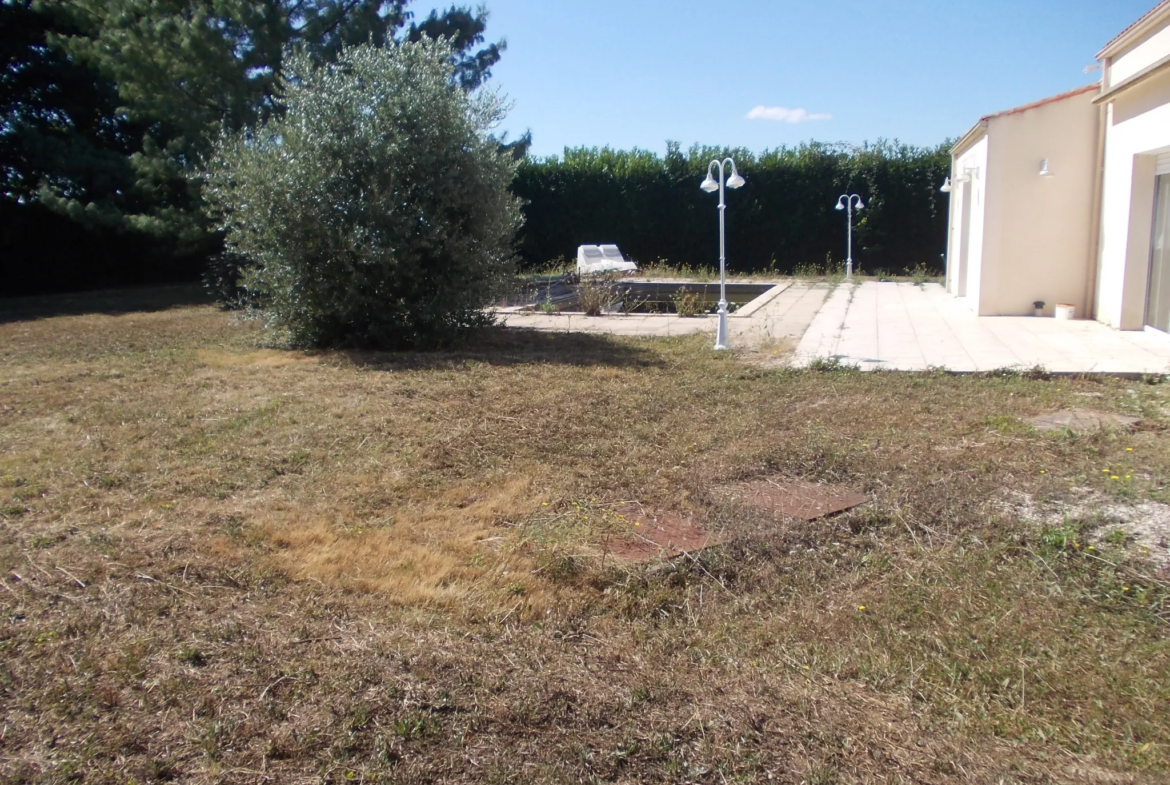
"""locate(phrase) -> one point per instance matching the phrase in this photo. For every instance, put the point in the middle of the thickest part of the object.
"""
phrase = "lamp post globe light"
(711, 186)
(845, 202)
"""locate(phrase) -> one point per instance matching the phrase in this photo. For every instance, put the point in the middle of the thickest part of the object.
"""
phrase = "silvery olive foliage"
(375, 209)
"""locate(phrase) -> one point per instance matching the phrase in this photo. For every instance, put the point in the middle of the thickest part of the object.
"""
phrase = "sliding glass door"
(1158, 297)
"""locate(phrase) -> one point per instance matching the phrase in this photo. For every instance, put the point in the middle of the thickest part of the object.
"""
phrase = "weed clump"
(596, 294)
(687, 303)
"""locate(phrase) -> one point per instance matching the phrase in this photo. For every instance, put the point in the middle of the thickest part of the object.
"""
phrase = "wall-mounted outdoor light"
(1044, 170)
(968, 173)
(947, 187)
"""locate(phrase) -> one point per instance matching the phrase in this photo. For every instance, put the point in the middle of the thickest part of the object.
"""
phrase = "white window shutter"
(1162, 166)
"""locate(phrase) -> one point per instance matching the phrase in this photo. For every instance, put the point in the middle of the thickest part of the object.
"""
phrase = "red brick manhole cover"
(646, 534)
(798, 499)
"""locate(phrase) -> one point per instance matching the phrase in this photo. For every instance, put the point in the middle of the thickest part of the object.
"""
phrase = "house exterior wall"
(1038, 235)
(1138, 56)
(967, 211)
(1137, 128)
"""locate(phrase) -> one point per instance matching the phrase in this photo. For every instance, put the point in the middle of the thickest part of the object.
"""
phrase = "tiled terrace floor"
(901, 326)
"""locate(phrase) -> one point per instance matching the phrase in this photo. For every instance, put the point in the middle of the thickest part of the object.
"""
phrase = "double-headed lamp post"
(711, 186)
(845, 202)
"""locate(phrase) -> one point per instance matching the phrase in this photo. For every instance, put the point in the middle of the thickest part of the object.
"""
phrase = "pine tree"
(60, 132)
(158, 80)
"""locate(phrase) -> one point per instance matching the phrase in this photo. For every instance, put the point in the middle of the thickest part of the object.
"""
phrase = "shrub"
(374, 208)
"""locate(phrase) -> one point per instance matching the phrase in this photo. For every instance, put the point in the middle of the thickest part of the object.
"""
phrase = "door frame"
(1161, 180)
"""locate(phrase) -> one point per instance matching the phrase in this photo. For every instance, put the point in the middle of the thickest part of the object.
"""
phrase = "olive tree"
(374, 208)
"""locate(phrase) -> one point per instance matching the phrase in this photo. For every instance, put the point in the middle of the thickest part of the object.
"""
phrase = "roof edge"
(968, 140)
(972, 136)
(1148, 20)
(1133, 80)
(1050, 100)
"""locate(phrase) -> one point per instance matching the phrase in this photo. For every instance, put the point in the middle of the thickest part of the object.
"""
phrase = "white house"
(1133, 261)
(1067, 200)
(1022, 203)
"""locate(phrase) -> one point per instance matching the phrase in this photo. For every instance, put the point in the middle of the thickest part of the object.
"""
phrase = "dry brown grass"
(426, 554)
(223, 562)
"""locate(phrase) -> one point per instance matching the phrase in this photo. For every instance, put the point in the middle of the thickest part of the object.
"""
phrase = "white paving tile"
(897, 326)
(823, 335)
(903, 326)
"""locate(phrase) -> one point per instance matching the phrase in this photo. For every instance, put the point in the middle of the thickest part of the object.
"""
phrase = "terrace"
(875, 325)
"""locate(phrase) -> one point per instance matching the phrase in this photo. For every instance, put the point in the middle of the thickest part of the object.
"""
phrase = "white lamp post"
(710, 186)
(845, 202)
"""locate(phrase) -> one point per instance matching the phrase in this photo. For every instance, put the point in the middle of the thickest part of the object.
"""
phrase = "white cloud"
(785, 115)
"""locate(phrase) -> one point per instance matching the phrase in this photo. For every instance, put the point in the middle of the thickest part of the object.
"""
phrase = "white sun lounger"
(593, 259)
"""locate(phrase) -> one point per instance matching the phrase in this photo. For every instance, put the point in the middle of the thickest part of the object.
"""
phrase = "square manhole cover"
(648, 534)
(796, 498)
(1080, 420)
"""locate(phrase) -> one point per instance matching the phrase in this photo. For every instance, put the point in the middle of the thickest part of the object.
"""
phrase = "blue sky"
(639, 72)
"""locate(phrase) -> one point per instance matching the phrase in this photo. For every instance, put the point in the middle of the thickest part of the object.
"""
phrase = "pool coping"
(749, 308)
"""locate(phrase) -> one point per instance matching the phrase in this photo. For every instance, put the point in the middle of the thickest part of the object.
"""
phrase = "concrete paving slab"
(892, 326)
(903, 326)
(1080, 420)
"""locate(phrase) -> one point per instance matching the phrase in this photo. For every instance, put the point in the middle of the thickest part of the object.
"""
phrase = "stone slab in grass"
(1080, 420)
(796, 498)
(657, 534)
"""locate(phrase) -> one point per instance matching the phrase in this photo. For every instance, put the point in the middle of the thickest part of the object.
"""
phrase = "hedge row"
(783, 218)
(650, 205)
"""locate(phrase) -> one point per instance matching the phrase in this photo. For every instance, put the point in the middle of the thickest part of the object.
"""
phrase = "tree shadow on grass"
(111, 302)
(510, 346)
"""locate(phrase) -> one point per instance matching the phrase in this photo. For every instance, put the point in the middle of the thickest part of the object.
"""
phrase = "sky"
(763, 73)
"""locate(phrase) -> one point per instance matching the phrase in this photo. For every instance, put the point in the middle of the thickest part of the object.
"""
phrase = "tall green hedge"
(652, 207)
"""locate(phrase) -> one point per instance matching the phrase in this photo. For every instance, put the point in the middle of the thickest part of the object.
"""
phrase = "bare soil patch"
(1142, 527)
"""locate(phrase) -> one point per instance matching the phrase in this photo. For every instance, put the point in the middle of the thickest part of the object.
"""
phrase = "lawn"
(228, 562)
